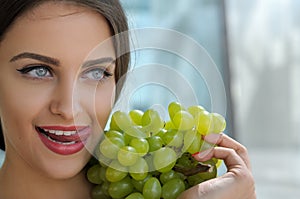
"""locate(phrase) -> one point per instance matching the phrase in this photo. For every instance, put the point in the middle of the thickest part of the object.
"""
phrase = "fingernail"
(195, 154)
(201, 154)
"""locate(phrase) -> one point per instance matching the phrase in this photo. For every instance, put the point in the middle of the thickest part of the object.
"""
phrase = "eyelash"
(105, 73)
(27, 69)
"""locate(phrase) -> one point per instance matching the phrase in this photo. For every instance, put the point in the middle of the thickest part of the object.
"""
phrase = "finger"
(231, 159)
(227, 142)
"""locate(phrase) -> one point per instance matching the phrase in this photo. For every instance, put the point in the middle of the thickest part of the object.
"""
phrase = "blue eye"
(96, 74)
(36, 71)
(40, 72)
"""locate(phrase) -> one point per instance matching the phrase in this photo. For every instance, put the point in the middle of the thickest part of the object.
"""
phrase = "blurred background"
(255, 45)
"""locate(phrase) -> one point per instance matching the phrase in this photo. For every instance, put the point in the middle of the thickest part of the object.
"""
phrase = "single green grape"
(110, 147)
(135, 195)
(141, 145)
(152, 189)
(167, 176)
(136, 132)
(183, 120)
(93, 174)
(168, 136)
(218, 123)
(169, 125)
(127, 155)
(113, 124)
(114, 133)
(121, 188)
(121, 121)
(152, 122)
(173, 188)
(173, 137)
(203, 121)
(164, 159)
(115, 172)
(136, 116)
(139, 170)
(173, 108)
(195, 110)
(155, 143)
(191, 142)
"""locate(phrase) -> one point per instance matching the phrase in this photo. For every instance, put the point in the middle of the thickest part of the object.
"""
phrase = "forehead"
(57, 28)
(53, 9)
(53, 12)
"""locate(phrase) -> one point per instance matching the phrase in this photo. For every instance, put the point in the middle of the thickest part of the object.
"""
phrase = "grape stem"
(199, 168)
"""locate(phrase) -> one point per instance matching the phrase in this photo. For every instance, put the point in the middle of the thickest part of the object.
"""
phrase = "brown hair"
(112, 10)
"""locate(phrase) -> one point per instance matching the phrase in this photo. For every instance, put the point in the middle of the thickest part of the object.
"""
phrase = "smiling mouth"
(64, 140)
(63, 137)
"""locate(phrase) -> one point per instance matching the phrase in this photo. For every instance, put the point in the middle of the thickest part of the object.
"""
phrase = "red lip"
(64, 144)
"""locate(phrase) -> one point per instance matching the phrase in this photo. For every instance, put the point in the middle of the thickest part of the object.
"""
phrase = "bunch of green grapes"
(144, 157)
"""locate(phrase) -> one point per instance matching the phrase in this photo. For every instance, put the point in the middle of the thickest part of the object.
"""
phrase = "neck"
(17, 181)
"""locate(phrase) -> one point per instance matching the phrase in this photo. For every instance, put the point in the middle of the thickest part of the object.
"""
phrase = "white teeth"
(68, 133)
(50, 131)
(68, 143)
(63, 143)
(59, 132)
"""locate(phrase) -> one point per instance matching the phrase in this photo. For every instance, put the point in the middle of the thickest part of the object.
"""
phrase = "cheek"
(22, 103)
(104, 101)
(18, 110)
(18, 105)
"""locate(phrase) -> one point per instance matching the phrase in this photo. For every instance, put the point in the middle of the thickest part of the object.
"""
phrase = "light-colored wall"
(2, 155)
(264, 40)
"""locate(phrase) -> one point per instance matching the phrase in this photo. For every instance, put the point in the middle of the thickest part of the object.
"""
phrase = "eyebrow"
(56, 62)
(42, 58)
(102, 60)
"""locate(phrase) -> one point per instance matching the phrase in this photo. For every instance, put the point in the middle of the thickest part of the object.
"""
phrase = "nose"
(64, 101)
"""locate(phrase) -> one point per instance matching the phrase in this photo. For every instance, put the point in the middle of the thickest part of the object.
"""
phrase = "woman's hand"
(237, 183)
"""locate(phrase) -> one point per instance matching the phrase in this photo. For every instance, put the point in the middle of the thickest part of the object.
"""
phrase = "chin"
(65, 167)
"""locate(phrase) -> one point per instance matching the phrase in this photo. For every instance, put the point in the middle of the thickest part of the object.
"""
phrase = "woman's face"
(53, 100)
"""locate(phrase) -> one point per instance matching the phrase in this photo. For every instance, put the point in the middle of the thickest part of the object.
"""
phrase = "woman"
(46, 115)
